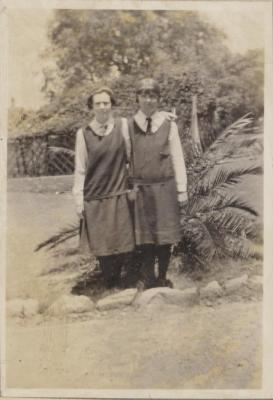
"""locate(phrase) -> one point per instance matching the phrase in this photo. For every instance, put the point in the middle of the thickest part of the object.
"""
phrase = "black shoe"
(129, 281)
(113, 283)
(164, 283)
(144, 285)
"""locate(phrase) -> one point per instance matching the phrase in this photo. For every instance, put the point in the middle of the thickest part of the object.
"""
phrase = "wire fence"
(50, 154)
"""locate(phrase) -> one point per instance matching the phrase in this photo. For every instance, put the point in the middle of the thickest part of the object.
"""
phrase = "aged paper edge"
(267, 388)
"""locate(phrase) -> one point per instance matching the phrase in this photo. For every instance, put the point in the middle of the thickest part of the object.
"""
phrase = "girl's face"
(148, 102)
(102, 107)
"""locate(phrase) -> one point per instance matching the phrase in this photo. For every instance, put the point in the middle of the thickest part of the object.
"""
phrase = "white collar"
(102, 129)
(157, 120)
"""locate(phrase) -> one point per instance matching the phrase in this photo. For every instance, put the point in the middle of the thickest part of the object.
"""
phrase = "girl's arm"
(80, 170)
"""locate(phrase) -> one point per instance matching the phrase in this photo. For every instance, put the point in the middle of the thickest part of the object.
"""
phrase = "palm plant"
(220, 219)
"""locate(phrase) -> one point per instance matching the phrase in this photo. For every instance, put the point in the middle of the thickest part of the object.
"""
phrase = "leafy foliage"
(179, 48)
(88, 44)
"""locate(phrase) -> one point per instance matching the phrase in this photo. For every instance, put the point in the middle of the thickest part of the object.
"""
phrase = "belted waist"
(106, 196)
(144, 181)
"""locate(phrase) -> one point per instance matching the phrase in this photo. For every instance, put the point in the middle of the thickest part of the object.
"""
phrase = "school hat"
(148, 84)
(98, 90)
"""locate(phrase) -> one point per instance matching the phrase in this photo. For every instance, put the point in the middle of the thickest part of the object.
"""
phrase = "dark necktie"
(149, 125)
(103, 129)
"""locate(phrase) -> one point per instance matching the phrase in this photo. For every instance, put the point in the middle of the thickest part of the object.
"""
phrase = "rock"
(69, 304)
(117, 300)
(22, 308)
(256, 280)
(211, 290)
(31, 307)
(166, 295)
(15, 308)
(233, 284)
(208, 303)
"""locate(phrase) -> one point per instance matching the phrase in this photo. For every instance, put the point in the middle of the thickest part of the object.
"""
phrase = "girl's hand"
(79, 211)
(169, 115)
(183, 198)
(183, 202)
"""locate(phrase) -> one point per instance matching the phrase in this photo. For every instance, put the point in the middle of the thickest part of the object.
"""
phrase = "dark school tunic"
(107, 224)
(156, 209)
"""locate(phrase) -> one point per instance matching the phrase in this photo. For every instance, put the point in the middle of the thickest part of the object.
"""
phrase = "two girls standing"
(113, 223)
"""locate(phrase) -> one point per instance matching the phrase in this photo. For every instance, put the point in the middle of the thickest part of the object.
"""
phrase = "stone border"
(73, 305)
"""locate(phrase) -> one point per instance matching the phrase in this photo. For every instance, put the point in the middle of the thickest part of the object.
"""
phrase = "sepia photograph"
(136, 199)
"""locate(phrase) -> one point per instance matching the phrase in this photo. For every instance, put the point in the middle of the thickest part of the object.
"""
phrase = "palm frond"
(65, 234)
(223, 146)
(230, 221)
(239, 204)
(238, 126)
(238, 247)
(201, 204)
(225, 174)
(220, 199)
(196, 239)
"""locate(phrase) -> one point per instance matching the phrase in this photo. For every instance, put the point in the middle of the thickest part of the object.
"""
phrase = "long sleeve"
(80, 170)
(177, 159)
(126, 137)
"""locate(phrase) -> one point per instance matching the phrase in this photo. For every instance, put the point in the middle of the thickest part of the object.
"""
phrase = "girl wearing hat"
(160, 181)
(101, 186)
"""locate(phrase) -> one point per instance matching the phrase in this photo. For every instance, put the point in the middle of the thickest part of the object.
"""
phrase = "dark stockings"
(146, 258)
(111, 269)
(119, 270)
(163, 255)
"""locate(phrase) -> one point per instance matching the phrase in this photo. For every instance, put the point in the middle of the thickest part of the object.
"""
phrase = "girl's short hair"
(102, 89)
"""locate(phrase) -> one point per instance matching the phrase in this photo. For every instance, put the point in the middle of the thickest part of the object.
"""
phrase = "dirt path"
(32, 218)
(203, 347)
(216, 348)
